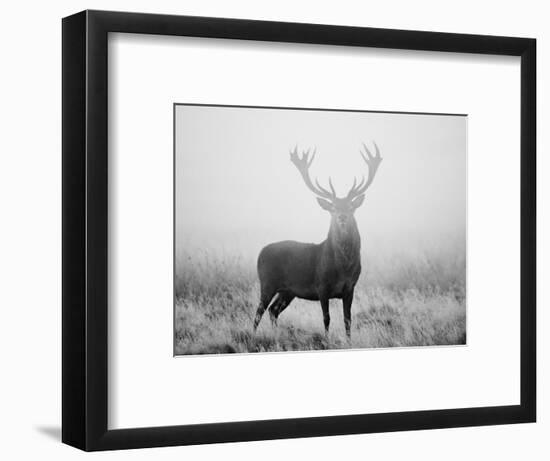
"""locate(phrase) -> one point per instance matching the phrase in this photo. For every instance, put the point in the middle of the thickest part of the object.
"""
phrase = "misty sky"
(236, 187)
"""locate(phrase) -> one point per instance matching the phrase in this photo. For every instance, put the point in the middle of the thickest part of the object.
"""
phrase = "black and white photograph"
(275, 231)
(300, 229)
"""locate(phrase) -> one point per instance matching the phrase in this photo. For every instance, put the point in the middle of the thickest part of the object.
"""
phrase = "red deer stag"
(317, 272)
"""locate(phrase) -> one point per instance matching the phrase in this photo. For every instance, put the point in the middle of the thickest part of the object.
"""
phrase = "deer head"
(341, 209)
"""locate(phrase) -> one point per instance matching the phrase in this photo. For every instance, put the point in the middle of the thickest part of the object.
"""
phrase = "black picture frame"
(85, 224)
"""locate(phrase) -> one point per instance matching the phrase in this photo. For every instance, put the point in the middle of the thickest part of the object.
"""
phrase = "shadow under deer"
(317, 272)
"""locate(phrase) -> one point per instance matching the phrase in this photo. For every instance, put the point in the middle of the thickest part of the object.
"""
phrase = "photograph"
(307, 229)
(298, 203)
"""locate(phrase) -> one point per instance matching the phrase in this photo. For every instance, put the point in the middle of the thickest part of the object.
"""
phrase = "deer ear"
(325, 205)
(357, 201)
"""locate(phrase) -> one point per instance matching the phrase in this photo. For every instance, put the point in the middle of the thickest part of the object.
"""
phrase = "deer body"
(308, 270)
(316, 272)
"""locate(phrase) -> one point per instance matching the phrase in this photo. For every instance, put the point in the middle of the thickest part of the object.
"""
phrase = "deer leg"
(278, 307)
(347, 299)
(326, 313)
(265, 299)
(274, 309)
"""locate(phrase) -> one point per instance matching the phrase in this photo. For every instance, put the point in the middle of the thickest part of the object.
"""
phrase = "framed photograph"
(279, 230)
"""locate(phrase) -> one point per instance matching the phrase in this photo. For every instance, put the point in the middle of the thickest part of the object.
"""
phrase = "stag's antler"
(303, 163)
(373, 162)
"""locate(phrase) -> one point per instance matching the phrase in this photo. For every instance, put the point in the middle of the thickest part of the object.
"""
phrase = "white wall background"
(30, 191)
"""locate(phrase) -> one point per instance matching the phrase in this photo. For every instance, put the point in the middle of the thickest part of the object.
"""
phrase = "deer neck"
(345, 245)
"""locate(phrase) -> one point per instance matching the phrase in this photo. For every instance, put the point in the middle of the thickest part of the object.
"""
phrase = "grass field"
(405, 300)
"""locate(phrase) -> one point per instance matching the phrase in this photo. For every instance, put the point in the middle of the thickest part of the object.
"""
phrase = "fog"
(236, 188)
